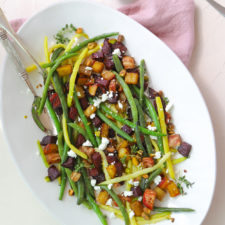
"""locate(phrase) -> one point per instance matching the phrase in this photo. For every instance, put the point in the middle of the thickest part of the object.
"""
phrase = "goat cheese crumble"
(104, 143)
(117, 52)
(72, 154)
(87, 143)
(157, 180)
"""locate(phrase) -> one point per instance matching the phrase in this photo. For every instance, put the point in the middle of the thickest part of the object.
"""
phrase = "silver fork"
(217, 6)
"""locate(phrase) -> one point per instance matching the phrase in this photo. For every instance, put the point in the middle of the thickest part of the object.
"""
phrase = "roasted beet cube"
(106, 48)
(127, 129)
(184, 149)
(97, 121)
(119, 168)
(111, 133)
(152, 93)
(80, 140)
(69, 163)
(53, 172)
(84, 103)
(136, 191)
(50, 93)
(98, 56)
(102, 82)
(109, 64)
(93, 172)
(120, 46)
(111, 159)
(55, 100)
(114, 98)
(73, 113)
(48, 140)
(134, 70)
(100, 178)
(97, 160)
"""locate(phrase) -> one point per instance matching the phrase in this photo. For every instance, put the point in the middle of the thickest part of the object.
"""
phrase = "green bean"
(129, 96)
(114, 126)
(84, 120)
(80, 191)
(72, 184)
(48, 80)
(98, 139)
(117, 63)
(119, 203)
(63, 172)
(56, 54)
(79, 130)
(143, 124)
(143, 130)
(86, 42)
(35, 115)
(97, 210)
(53, 116)
(89, 188)
(138, 140)
(164, 209)
(153, 175)
(142, 72)
(60, 92)
(42, 154)
(153, 115)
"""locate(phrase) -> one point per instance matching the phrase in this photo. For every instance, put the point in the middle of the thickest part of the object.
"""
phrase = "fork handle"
(10, 49)
(4, 23)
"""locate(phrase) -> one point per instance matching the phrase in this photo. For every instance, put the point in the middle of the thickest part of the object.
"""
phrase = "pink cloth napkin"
(171, 20)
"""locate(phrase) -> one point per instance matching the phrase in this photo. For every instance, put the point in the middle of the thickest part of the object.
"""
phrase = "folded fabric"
(171, 20)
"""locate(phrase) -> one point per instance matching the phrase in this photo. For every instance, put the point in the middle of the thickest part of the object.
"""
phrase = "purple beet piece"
(96, 121)
(114, 98)
(184, 149)
(106, 48)
(53, 172)
(93, 172)
(136, 191)
(134, 70)
(50, 93)
(98, 56)
(80, 140)
(127, 129)
(97, 160)
(111, 133)
(119, 168)
(102, 82)
(69, 163)
(100, 178)
(48, 140)
(152, 93)
(84, 103)
(111, 158)
(109, 64)
(120, 46)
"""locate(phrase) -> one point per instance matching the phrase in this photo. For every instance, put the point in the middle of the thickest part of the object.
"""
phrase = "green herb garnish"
(183, 181)
(60, 37)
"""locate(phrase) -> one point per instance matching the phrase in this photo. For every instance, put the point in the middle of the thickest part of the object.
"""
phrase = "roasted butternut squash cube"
(64, 70)
(128, 62)
(92, 89)
(131, 78)
(107, 75)
(90, 110)
(98, 67)
(80, 92)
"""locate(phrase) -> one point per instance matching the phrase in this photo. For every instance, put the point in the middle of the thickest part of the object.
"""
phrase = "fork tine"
(217, 6)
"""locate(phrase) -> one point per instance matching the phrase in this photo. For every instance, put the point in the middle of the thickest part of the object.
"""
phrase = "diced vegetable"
(149, 198)
(102, 197)
(172, 189)
(131, 78)
(75, 176)
(64, 70)
(164, 183)
(50, 148)
(184, 149)
(160, 194)
(82, 81)
(89, 110)
(83, 70)
(97, 67)
(105, 130)
(111, 169)
(92, 89)
(128, 62)
(107, 75)
(53, 172)
(53, 158)
(174, 140)
(123, 152)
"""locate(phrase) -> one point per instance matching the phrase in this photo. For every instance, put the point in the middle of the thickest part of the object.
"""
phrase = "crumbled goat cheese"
(140, 198)
(110, 154)
(169, 106)
(157, 180)
(157, 155)
(110, 94)
(78, 94)
(79, 119)
(130, 182)
(112, 215)
(151, 128)
(153, 137)
(120, 105)
(104, 143)
(117, 52)
(72, 154)
(87, 143)
(92, 116)
(97, 188)
(88, 68)
(93, 182)
(128, 193)
(131, 214)
(110, 186)
(105, 97)
(109, 202)
(136, 183)
(97, 102)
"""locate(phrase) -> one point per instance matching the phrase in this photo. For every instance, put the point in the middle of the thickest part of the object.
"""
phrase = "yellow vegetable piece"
(74, 75)
(64, 70)
(90, 52)
(179, 160)
(74, 39)
(50, 50)
(33, 67)
(47, 56)
(165, 138)
(138, 173)
(67, 140)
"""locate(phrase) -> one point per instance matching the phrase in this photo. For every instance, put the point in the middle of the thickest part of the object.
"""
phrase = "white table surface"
(17, 203)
